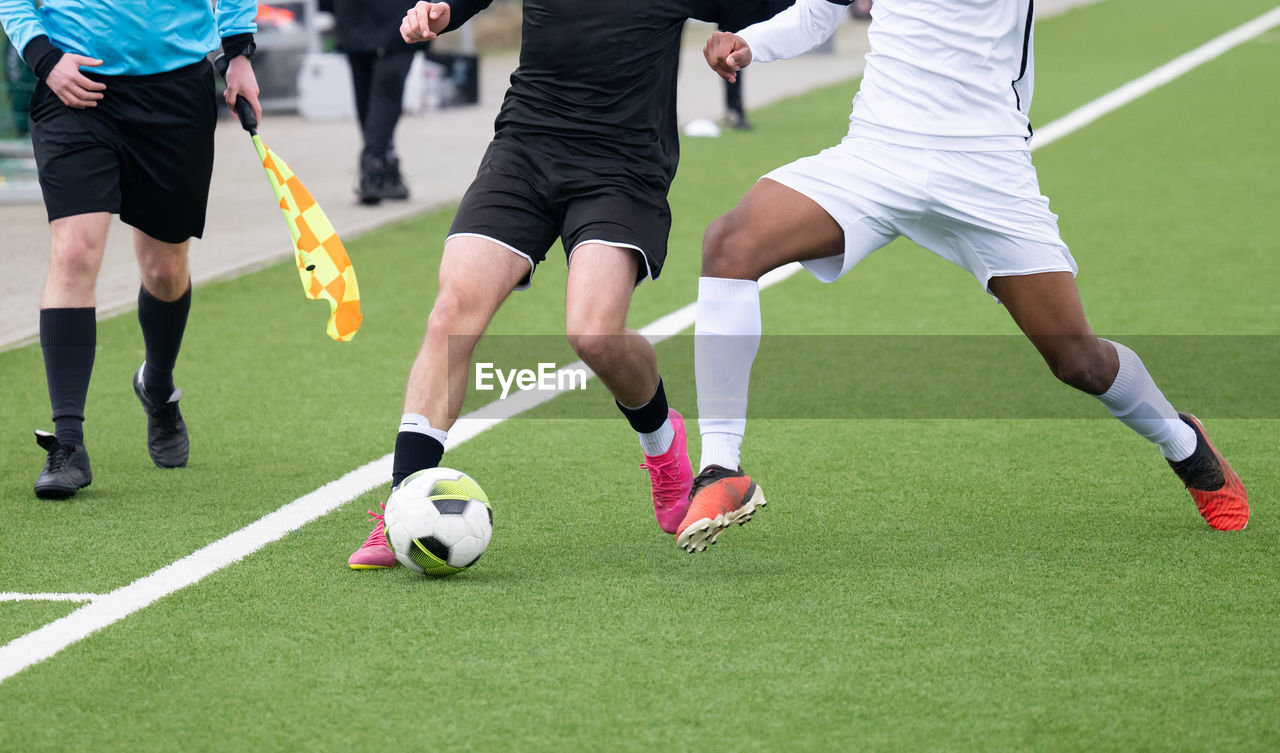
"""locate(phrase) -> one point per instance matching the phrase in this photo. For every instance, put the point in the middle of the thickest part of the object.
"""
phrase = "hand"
(727, 54)
(73, 87)
(424, 22)
(241, 82)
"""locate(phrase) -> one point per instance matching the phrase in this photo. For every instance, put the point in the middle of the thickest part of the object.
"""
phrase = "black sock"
(69, 339)
(163, 323)
(414, 452)
(650, 416)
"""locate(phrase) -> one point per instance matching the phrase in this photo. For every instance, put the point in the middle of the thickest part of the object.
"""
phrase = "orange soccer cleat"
(1218, 491)
(720, 498)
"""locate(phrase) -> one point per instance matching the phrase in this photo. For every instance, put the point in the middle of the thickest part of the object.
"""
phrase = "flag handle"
(248, 120)
(244, 110)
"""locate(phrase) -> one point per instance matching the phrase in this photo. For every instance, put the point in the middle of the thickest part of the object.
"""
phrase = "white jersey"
(941, 74)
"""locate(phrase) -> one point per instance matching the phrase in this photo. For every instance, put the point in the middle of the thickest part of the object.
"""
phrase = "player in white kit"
(937, 151)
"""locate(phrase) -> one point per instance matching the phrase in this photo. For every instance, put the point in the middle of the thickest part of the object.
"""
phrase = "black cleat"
(166, 431)
(66, 469)
(393, 185)
(370, 187)
(737, 120)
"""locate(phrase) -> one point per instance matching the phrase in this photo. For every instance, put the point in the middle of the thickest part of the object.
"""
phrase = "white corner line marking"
(105, 609)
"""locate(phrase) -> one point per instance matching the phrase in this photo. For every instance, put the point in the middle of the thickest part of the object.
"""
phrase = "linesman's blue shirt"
(130, 37)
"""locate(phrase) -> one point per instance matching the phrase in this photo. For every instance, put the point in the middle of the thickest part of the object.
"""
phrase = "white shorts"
(982, 211)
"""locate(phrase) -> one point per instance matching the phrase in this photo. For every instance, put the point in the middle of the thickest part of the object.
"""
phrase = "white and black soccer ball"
(438, 522)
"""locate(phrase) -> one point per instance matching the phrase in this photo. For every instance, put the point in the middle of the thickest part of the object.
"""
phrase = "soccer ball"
(438, 522)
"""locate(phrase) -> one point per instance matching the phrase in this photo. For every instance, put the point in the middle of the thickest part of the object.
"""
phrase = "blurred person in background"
(735, 111)
(368, 32)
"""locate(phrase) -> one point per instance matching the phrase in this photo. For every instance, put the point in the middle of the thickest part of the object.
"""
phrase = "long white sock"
(726, 339)
(420, 424)
(1135, 399)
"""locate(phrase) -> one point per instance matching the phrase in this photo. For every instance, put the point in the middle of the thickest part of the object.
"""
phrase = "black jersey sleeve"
(461, 11)
(735, 15)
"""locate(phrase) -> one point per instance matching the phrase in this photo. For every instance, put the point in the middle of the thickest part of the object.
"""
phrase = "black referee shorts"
(145, 152)
(528, 192)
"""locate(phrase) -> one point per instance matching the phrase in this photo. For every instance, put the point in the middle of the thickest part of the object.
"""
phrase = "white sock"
(658, 442)
(720, 449)
(1135, 399)
(726, 339)
(418, 423)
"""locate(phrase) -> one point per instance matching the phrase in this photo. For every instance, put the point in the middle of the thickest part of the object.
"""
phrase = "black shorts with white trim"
(530, 191)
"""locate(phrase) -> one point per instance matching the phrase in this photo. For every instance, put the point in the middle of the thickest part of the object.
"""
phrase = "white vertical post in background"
(310, 21)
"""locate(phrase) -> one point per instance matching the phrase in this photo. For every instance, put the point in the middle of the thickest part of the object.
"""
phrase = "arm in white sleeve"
(795, 30)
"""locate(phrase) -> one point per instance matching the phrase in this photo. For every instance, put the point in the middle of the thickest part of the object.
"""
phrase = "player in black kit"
(585, 149)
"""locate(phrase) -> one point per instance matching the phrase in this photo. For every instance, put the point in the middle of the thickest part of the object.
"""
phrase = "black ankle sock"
(69, 339)
(163, 323)
(650, 416)
(414, 452)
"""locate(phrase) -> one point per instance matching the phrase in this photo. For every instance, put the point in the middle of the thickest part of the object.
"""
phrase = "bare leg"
(476, 276)
(597, 295)
(163, 266)
(1046, 307)
(74, 260)
(772, 226)
(68, 327)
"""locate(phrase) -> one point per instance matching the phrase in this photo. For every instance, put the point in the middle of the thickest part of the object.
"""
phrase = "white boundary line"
(13, 596)
(44, 642)
(1083, 116)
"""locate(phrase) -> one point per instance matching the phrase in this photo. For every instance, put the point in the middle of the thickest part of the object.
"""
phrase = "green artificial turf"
(916, 582)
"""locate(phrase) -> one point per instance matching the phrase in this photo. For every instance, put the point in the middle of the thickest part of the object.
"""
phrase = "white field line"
(1083, 116)
(44, 642)
(12, 596)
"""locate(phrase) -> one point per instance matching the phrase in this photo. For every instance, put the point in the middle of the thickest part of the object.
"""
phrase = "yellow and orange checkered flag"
(323, 263)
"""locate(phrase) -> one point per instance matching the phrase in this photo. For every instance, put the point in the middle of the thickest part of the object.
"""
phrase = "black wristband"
(41, 56)
(238, 44)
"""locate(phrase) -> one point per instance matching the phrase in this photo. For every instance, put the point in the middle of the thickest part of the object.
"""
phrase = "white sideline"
(103, 610)
(13, 596)
(1083, 116)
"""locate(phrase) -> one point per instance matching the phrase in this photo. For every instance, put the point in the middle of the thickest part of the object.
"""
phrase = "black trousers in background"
(379, 87)
(733, 95)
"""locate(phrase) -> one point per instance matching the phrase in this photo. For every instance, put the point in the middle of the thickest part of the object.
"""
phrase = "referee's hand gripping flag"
(322, 260)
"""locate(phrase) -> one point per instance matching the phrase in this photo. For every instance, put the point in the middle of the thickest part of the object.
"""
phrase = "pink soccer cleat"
(375, 553)
(671, 476)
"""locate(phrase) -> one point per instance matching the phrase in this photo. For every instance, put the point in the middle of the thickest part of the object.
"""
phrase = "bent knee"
(728, 250)
(449, 315)
(1082, 366)
(595, 347)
